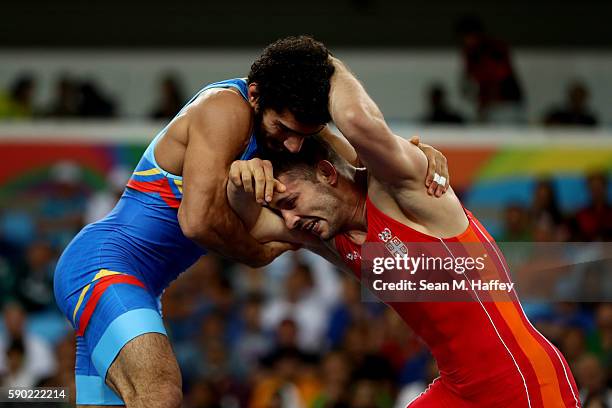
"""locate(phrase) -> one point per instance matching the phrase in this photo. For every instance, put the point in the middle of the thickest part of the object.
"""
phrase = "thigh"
(108, 314)
(143, 365)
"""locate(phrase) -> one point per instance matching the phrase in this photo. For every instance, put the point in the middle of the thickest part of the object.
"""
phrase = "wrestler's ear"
(253, 94)
(326, 172)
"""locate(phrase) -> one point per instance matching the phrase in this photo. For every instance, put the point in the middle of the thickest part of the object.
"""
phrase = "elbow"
(196, 229)
(359, 121)
(194, 232)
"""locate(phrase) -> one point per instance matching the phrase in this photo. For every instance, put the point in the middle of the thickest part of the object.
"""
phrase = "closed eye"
(286, 203)
(290, 205)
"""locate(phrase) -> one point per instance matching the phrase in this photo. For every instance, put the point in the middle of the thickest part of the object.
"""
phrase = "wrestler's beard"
(264, 140)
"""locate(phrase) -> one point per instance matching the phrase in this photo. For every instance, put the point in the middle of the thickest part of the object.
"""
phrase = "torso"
(170, 149)
(478, 345)
(145, 220)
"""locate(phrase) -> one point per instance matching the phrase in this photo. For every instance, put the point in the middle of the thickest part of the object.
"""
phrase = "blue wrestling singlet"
(110, 278)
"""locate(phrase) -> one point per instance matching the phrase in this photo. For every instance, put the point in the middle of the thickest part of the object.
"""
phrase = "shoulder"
(220, 115)
(220, 103)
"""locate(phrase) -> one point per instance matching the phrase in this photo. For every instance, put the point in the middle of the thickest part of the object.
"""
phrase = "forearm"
(221, 231)
(341, 145)
(352, 110)
(244, 205)
(264, 226)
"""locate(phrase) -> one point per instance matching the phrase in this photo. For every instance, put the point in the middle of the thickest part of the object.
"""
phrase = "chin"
(326, 235)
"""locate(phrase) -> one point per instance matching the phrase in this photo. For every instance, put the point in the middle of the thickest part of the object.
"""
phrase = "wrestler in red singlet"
(488, 353)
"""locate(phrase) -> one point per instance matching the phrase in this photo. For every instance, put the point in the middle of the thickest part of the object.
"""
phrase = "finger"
(234, 174)
(270, 182)
(431, 190)
(260, 181)
(442, 182)
(245, 175)
(445, 174)
(440, 190)
(431, 172)
(280, 187)
(415, 140)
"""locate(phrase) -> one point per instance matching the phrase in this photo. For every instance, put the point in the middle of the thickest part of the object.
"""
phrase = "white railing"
(455, 136)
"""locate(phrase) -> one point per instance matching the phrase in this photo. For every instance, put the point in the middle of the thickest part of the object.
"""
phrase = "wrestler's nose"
(294, 143)
(291, 220)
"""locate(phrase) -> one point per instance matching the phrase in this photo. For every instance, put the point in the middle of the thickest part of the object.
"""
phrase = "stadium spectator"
(19, 104)
(61, 207)
(24, 356)
(516, 224)
(594, 222)
(602, 338)
(203, 394)
(438, 110)
(251, 343)
(16, 374)
(545, 203)
(170, 98)
(336, 380)
(591, 379)
(66, 100)
(102, 202)
(348, 311)
(575, 110)
(93, 103)
(64, 375)
(35, 277)
(489, 76)
(573, 344)
(308, 298)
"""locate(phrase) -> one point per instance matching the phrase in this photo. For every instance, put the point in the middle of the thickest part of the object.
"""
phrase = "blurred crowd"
(490, 90)
(490, 84)
(81, 98)
(544, 221)
(297, 333)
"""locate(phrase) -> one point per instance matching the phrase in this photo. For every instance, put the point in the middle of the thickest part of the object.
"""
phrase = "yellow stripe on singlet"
(101, 274)
(149, 172)
(179, 184)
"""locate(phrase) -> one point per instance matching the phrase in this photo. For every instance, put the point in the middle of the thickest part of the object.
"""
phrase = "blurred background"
(518, 96)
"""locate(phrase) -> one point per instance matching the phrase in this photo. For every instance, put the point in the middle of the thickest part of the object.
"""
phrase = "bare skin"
(395, 170)
(154, 381)
(204, 140)
(207, 137)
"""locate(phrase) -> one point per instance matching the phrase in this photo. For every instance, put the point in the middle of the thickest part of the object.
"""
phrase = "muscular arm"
(219, 125)
(388, 157)
(341, 146)
(264, 225)
(436, 162)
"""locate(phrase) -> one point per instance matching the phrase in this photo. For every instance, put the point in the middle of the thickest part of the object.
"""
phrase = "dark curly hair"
(294, 73)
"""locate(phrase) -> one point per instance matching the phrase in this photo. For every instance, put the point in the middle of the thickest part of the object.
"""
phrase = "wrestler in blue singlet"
(109, 280)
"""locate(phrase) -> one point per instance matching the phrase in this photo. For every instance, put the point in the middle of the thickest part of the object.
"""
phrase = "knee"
(169, 395)
(159, 394)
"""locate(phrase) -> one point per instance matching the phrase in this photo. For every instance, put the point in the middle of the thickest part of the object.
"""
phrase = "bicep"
(391, 159)
(216, 134)
(362, 123)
